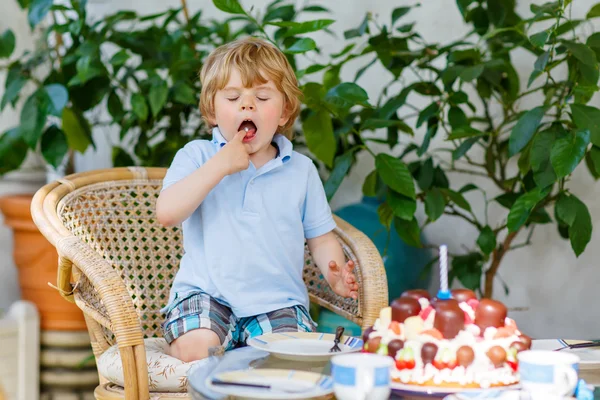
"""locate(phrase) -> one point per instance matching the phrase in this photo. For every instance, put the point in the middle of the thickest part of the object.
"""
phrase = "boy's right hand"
(235, 155)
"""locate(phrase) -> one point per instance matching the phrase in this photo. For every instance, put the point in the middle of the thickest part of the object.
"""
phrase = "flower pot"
(37, 261)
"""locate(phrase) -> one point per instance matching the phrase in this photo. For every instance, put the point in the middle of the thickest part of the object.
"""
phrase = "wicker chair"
(117, 263)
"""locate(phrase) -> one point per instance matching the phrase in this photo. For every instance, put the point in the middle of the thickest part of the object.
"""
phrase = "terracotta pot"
(37, 261)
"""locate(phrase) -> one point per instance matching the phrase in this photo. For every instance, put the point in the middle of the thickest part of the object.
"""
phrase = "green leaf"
(471, 73)
(7, 43)
(464, 147)
(59, 96)
(184, 94)
(77, 130)
(582, 52)
(586, 117)
(486, 240)
(395, 174)
(430, 111)
(566, 208)
(337, 175)
(524, 129)
(434, 204)
(594, 12)
(54, 145)
(302, 46)
(14, 85)
(318, 130)
(523, 162)
(568, 152)
(13, 150)
(576, 215)
(580, 233)
(38, 10)
(593, 158)
(468, 188)
(120, 58)
(296, 28)
(315, 9)
(139, 106)
(386, 214)
(457, 117)
(426, 174)
(369, 187)
(467, 269)
(538, 67)
(539, 39)
(402, 206)
(115, 106)
(33, 118)
(121, 158)
(229, 6)
(158, 96)
(465, 132)
(457, 198)
(408, 231)
(522, 207)
(399, 13)
(345, 95)
(539, 157)
(285, 13)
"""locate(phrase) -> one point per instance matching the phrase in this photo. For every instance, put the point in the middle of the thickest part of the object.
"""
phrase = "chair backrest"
(117, 219)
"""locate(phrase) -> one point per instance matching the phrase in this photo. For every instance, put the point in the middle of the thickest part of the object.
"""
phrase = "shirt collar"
(283, 144)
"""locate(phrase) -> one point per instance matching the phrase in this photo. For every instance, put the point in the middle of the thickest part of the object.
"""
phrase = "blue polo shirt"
(244, 245)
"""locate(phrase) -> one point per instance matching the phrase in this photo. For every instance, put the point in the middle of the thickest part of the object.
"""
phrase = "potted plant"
(472, 122)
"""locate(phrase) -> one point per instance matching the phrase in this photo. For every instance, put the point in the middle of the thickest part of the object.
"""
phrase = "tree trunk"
(497, 256)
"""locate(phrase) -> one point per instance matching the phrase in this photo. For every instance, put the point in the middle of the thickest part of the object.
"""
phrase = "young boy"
(246, 202)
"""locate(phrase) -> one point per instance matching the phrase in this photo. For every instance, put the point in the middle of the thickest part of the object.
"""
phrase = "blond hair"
(253, 57)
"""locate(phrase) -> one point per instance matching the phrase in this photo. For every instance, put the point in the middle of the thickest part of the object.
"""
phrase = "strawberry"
(409, 364)
(425, 313)
(433, 333)
(473, 303)
(504, 332)
(452, 364)
(513, 365)
(438, 364)
(400, 364)
(468, 319)
(395, 327)
(510, 323)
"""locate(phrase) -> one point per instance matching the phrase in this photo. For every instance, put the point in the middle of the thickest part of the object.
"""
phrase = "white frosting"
(423, 302)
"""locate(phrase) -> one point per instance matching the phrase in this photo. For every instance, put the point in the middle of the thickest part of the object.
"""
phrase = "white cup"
(548, 374)
(361, 376)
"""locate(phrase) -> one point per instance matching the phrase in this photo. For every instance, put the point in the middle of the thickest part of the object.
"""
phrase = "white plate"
(311, 384)
(433, 392)
(589, 357)
(304, 346)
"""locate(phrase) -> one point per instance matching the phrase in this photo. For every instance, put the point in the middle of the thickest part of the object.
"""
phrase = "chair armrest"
(123, 319)
(373, 288)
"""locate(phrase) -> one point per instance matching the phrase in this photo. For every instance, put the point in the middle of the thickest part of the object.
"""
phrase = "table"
(248, 357)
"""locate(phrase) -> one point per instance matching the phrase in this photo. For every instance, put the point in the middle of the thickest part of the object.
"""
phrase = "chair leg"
(139, 352)
(130, 374)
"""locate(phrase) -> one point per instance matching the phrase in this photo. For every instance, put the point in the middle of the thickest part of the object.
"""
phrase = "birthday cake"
(454, 341)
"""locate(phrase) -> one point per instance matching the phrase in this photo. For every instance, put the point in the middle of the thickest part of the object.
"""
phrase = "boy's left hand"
(342, 279)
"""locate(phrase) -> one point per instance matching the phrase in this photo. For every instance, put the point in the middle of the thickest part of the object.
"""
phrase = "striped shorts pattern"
(197, 310)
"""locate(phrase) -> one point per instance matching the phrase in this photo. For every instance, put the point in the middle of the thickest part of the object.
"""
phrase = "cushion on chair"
(165, 373)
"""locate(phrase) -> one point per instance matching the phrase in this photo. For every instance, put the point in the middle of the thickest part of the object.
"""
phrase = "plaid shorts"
(195, 310)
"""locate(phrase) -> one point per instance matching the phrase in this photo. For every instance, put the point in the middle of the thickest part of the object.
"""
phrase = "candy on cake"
(450, 340)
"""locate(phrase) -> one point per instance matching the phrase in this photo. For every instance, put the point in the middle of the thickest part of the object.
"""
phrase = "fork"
(338, 335)
(592, 343)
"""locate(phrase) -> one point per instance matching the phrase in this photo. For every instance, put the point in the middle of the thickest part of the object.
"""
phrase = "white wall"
(546, 278)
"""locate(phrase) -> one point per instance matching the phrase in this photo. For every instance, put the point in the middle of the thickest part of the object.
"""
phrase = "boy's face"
(259, 110)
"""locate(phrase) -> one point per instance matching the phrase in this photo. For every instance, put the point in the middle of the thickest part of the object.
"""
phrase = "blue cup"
(548, 374)
(361, 376)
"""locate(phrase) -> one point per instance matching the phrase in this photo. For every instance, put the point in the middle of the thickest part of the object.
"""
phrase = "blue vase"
(403, 263)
